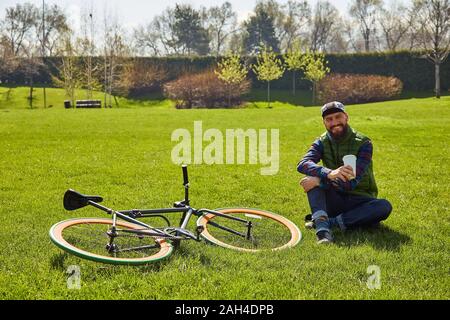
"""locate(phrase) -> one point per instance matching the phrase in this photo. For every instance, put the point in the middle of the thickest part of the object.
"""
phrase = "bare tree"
(159, 36)
(115, 52)
(88, 49)
(294, 20)
(220, 21)
(29, 64)
(18, 24)
(69, 71)
(49, 29)
(433, 28)
(364, 12)
(8, 63)
(147, 40)
(395, 24)
(324, 19)
(338, 42)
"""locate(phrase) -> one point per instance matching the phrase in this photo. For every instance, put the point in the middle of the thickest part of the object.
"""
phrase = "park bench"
(88, 104)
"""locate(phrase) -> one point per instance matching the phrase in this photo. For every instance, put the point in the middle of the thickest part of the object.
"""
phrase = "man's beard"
(338, 136)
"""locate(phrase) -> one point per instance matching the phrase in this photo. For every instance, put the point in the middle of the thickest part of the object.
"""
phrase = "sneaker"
(309, 224)
(324, 237)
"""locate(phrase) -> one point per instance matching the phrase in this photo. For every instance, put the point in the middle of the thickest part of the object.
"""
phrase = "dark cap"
(332, 107)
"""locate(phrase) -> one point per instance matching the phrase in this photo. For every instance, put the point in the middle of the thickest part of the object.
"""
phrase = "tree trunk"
(31, 93)
(45, 98)
(293, 82)
(314, 93)
(437, 76)
(268, 92)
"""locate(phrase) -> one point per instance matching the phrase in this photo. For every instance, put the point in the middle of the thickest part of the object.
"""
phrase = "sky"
(132, 13)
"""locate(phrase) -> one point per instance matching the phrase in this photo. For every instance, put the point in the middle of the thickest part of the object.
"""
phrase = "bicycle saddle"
(74, 200)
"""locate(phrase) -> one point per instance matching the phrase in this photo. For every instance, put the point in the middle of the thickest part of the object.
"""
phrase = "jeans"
(349, 210)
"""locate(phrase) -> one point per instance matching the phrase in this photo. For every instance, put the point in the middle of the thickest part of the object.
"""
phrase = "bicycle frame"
(175, 234)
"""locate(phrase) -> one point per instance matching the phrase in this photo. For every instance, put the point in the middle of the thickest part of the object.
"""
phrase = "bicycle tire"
(57, 236)
(276, 221)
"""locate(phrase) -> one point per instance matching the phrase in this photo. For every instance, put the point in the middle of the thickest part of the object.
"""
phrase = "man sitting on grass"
(336, 197)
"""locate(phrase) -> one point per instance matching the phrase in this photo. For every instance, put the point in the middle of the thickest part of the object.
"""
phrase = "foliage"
(351, 88)
(204, 90)
(260, 30)
(314, 66)
(409, 66)
(139, 78)
(190, 34)
(314, 69)
(268, 66)
(294, 60)
(231, 71)
(70, 74)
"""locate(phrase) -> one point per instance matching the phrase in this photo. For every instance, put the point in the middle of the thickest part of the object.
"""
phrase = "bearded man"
(336, 196)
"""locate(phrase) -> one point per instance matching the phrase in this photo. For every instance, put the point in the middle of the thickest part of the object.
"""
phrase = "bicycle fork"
(112, 233)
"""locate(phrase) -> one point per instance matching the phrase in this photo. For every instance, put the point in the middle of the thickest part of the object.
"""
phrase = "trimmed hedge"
(415, 72)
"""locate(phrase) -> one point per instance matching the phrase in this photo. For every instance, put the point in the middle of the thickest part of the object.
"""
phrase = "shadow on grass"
(304, 98)
(301, 97)
(57, 261)
(381, 238)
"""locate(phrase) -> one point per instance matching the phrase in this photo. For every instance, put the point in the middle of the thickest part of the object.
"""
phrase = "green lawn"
(124, 154)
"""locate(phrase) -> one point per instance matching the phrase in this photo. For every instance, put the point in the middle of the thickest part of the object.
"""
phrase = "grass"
(124, 154)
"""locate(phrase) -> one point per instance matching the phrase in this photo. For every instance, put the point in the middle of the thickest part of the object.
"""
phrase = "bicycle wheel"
(269, 231)
(87, 238)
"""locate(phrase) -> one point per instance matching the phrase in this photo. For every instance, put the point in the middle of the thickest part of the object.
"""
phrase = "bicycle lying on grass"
(130, 241)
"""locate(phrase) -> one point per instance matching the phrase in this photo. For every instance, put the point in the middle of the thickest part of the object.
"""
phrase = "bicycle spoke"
(265, 233)
(94, 238)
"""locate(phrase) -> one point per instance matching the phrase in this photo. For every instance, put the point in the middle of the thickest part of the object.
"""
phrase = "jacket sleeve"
(308, 165)
(363, 159)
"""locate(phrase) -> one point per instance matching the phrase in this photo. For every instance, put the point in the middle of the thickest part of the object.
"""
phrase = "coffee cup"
(350, 160)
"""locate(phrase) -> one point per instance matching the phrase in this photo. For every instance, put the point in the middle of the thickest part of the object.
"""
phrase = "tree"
(8, 62)
(220, 23)
(364, 12)
(159, 34)
(260, 29)
(294, 19)
(69, 72)
(18, 24)
(231, 71)
(191, 37)
(324, 19)
(315, 69)
(53, 26)
(268, 67)
(147, 40)
(115, 53)
(395, 24)
(88, 50)
(294, 61)
(434, 33)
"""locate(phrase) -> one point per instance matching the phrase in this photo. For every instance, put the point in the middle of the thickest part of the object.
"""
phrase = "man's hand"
(344, 173)
(309, 183)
